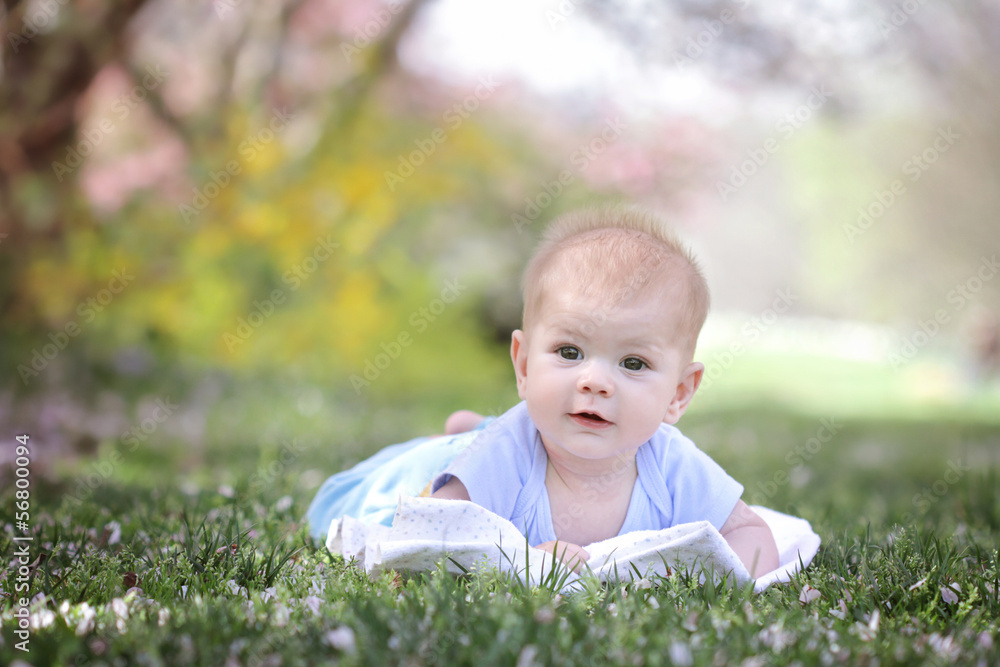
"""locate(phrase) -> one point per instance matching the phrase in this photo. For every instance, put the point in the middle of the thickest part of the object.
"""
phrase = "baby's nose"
(595, 378)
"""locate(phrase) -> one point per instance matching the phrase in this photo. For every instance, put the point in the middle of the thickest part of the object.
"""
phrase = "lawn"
(184, 553)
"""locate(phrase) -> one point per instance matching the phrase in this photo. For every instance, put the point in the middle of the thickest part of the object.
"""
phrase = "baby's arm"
(453, 489)
(751, 539)
(462, 421)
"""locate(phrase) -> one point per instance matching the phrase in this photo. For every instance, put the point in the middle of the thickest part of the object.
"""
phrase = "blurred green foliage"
(343, 226)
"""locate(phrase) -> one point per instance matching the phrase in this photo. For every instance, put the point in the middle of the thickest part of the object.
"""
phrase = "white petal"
(809, 594)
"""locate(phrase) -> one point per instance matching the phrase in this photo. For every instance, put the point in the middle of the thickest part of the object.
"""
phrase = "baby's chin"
(584, 448)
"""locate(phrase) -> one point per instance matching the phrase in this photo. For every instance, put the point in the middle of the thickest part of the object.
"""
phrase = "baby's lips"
(590, 420)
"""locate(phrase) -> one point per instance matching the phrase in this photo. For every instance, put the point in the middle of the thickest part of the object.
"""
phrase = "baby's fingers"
(572, 555)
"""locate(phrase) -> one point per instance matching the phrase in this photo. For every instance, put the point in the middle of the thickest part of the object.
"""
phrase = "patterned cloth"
(465, 537)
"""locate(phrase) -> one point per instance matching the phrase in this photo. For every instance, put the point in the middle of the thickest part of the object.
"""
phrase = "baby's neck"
(588, 507)
(588, 477)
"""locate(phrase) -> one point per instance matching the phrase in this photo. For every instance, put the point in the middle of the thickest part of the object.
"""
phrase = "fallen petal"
(809, 594)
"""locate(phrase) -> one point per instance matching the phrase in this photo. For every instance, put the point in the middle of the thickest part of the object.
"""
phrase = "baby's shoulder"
(669, 438)
(511, 435)
(669, 448)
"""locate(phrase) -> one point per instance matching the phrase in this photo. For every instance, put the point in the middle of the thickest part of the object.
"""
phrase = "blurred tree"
(267, 172)
(902, 72)
(252, 162)
(51, 54)
(952, 217)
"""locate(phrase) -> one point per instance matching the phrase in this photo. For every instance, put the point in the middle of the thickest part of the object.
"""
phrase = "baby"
(612, 310)
(613, 305)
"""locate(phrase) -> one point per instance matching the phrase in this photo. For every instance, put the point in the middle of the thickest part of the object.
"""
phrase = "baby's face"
(598, 378)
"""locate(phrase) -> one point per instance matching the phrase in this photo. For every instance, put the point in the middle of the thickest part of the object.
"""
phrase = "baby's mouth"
(590, 418)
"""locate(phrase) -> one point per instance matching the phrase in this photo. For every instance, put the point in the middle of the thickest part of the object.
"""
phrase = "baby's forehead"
(571, 302)
(577, 282)
(637, 321)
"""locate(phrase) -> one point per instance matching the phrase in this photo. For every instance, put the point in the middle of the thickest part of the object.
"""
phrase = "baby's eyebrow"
(572, 333)
(643, 345)
(574, 326)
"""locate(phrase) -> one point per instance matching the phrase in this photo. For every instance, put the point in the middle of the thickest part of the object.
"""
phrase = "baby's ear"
(688, 384)
(519, 355)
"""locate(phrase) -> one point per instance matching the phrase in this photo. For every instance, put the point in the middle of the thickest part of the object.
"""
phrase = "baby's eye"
(634, 364)
(569, 352)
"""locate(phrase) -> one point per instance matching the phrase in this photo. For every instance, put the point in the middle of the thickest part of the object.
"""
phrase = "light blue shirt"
(503, 470)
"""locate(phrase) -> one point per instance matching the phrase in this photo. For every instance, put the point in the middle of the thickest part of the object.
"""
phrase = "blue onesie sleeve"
(685, 483)
(500, 465)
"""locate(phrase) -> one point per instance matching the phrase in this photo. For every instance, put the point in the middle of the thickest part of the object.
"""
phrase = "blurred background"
(231, 225)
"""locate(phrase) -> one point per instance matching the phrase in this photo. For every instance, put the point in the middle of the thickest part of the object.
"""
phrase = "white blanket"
(465, 536)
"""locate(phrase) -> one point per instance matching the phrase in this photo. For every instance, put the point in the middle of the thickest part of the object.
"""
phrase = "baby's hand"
(570, 554)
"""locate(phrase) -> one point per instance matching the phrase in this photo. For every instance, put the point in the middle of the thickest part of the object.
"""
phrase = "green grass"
(212, 537)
